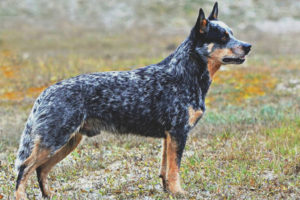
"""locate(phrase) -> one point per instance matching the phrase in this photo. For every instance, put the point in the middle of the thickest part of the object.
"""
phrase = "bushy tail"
(26, 144)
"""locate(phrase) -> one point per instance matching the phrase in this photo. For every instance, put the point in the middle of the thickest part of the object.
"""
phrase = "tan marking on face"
(210, 47)
(214, 61)
(194, 115)
(218, 54)
(173, 178)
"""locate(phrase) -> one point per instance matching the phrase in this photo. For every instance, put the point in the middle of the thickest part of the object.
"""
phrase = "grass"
(246, 147)
(262, 163)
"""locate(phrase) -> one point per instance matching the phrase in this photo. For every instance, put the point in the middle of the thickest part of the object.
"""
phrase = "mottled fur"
(163, 100)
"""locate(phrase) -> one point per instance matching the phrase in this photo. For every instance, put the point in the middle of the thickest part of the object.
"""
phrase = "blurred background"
(250, 133)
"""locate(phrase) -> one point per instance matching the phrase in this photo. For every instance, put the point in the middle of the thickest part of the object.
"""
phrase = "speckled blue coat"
(147, 101)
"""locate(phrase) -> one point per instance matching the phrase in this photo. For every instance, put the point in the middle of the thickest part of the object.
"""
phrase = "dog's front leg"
(175, 143)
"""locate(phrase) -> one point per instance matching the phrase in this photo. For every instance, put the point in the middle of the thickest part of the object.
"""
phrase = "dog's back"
(137, 102)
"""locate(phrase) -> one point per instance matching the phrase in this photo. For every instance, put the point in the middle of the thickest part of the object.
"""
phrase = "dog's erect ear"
(214, 13)
(201, 22)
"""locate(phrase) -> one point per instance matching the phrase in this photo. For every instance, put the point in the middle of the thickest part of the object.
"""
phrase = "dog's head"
(216, 40)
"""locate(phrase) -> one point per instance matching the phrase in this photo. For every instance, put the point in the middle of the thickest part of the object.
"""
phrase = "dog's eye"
(225, 38)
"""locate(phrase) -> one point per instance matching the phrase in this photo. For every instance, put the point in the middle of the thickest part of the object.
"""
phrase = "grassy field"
(246, 147)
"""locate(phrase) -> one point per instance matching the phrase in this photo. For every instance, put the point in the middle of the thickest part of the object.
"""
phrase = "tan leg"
(44, 169)
(163, 169)
(38, 156)
(173, 178)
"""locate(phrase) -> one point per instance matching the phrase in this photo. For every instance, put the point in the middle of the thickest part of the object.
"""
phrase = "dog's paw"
(176, 189)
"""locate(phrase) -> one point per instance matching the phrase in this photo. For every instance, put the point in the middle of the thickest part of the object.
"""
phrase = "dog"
(164, 100)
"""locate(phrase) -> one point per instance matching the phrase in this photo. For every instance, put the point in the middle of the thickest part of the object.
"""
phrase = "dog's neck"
(213, 66)
(189, 68)
(185, 63)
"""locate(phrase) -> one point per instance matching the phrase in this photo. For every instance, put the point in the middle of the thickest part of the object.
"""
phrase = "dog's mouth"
(234, 60)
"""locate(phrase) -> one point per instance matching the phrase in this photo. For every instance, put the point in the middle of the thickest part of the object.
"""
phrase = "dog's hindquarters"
(50, 134)
(27, 157)
(36, 153)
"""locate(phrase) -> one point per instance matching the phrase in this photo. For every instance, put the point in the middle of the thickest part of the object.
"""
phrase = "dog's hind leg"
(38, 156)
(163, 168)
(43, 170)
(175, 146)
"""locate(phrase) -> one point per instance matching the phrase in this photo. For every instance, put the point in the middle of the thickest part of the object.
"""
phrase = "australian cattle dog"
(163, 100)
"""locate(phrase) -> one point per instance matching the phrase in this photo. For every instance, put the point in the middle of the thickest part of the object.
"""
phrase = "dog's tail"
(26, 144)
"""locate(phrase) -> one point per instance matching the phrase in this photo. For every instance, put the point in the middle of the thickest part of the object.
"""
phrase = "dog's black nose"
(247, 48)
